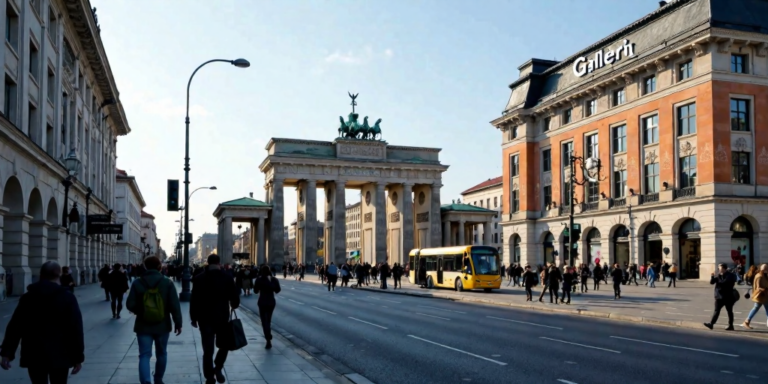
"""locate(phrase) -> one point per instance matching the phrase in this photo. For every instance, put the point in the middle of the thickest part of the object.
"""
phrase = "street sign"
(99, 219)
(189, 238)
(105, 229)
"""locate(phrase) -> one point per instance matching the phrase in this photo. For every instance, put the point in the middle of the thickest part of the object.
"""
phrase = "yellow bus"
(460, 268)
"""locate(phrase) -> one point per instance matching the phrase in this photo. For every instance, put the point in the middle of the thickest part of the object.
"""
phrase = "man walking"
(154, 300)
(331, 273)
(617, 276)
(724, 295)
(214, 295)
(103, 274)
(49, 348)
(384, 271)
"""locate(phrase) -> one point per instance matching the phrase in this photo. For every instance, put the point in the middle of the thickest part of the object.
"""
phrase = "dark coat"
(213, 296)
(266, 288)
(724, 286)
(529, 278)
(117, 282)
(68, 282)
(103, 273)
(45, 342)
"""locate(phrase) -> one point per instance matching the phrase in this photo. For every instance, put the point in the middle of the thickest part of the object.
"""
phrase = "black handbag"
(235, 333)
(736, 295)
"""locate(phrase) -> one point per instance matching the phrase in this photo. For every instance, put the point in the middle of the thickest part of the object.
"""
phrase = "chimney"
(662, 3)
(251, 193)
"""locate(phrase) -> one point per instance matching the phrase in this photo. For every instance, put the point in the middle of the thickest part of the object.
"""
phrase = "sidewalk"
(689, 305)
(112, 356)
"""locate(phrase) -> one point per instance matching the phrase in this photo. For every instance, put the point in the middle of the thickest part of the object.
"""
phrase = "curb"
(578, 312)
(328, 365)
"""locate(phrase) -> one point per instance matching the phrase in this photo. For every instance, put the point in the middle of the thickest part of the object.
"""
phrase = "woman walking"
(117, 281)
(245, 280)
(759, 294)
(266, 286)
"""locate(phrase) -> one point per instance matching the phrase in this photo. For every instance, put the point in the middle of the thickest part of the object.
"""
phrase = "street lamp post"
(590, 168)
(185, 280)
(72, 163)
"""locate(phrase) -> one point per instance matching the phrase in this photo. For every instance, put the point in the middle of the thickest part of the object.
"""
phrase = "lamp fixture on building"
(590, 169)
(72, 164)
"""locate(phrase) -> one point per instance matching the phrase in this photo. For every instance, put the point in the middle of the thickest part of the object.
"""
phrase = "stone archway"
(38, 233)
(56, 233)
(15, 238)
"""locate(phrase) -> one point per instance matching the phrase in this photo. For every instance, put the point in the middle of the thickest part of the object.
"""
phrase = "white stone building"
(59, 98)
(354, 223)
(149, 234)
(489, 195)
(128, 205)
(206, 245)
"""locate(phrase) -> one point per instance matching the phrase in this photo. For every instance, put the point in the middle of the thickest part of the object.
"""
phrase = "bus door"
(439, 269)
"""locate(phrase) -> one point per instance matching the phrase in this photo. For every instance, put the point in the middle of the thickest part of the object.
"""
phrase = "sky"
(435, 71)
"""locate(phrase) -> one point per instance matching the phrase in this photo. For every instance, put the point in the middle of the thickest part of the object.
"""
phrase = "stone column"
(462, 236)
(54, 248)
(339, 224)
(380, 221)
(309, 253)
(3, 289)
(434, 216)
(276, 224)
(74, 268)
(16, 251)
(261, 256)
(226, 253)
(447, 234)
(407, 220)
(487, 230)
(38, 246)
(82, 258)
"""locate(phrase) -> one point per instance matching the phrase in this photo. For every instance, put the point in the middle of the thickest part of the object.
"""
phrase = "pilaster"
(407, 217)
(261, 257)
(309, 253)
(74, 268)
(462, 240)
(38, 246)
(339, 223)
(276, 225)
(435, 216)
(16, 251)
(380, 223)
(226, 252)
(446, 234)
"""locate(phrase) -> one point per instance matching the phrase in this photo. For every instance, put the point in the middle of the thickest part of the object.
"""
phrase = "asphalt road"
(404, 339)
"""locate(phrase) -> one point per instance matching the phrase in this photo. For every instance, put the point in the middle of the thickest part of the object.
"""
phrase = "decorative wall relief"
(666, 161)
(706, 153)
(547, 179)
(300, 216)
(741, 145)
(368, 198)
(686, 149)
(632, 165)
(721, 155)
(368, 217)
(393, 197)
(762, 159)
(515, 187)
(394, 217)
(329, 215)
(359, 172)
(619, 165)
(650, 157)
(422, 197)
(422, 217)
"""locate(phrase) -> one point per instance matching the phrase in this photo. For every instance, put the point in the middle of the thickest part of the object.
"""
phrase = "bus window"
(448, 264)
(410, 262)
(467, 265)
(486, 261)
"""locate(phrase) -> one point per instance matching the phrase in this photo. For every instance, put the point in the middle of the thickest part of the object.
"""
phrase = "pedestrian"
(49, 348)
(568, 279)
(672, 276)
(617, 276)
(544, 279)
(759, 293)
(155, 301)
(103, 273)
(67, 281)
(384, 271)
(266, 287)
(302, 270)
(529, 280)
(651, 278)
(331, 273)
(397, 274)
(214, 296)
(725, 295)
(245, 280)
(584, 278)
(597, 276)
(117, 281)
(555, 277)
(632, 274)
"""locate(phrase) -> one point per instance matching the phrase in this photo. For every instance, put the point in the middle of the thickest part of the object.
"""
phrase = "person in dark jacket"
(103, 273)
(568, 279)
(618, 276)
(397, 274)
(384, 271)
(724, 295)
(597, 276)
(529, 280)
(66, 280)
(266, 287)
(117, 283)
(214, 296)
(554, 277)
(48, 348)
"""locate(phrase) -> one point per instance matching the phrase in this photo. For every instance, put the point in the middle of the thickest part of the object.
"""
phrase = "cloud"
(388, 53)
(348, 58)
(362, 56)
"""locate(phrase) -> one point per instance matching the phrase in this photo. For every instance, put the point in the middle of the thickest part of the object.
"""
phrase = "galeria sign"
(583, 66)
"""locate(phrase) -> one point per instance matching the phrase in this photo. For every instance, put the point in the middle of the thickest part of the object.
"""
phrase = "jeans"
(383, 282)
(117, 303)
(209, 334)
(754, 311)
(652, 282)
(566, 291)
(332, 282)
(106, 293)
(553, 290)
(265, 314)
(41, 375)
(398, 283)
(528, 292)
(145, 341)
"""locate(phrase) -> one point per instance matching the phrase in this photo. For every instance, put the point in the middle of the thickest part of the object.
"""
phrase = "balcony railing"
(684, 193)
(619, 203)
(593, 206)
(649, 198)
(565, 210)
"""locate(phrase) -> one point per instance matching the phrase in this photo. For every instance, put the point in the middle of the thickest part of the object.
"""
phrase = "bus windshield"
(486, 262)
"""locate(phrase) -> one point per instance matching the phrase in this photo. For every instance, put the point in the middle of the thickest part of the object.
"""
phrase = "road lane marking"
(565, 381)
(524, 322)
(436, 317)
(684, 314)
(320, 309)
(676, 346)
(570, 362)
(363, 321)
(391, 301)
(296, 302)
(581, 345)
(729, 372)
(459, 350)
(440, 309)
(752, 377)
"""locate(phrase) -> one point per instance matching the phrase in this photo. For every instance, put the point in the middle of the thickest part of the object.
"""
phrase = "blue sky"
(435, 71)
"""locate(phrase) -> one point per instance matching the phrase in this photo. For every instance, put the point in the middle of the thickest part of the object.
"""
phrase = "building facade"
(149, 235)
(672, 106)
(489, 195)
(354, 225)
(60, 100)
(206, 245)
(129, 204)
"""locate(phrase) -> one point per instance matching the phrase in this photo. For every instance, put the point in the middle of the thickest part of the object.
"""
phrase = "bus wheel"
(487, 290)
(430, 283)
(459, 286)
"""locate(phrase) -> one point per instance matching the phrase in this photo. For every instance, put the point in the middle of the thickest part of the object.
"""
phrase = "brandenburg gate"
(399, 187)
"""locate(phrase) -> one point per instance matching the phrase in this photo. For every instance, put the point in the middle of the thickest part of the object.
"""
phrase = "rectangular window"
(740, 168)
(619, 183)
(649, 85)
(567, 151)
(567, 116)
(546, 160)
(11, 26)
(514, 166)
(685, 70)
(52, 26)
(566, 193)
(495, 202)
(593, 192)
(515, 201)
(686, 119)
(619, 139)
(591, 107)
(619, 97)
(547, 122)
(652, 178)
(51, 85)
(740, 115)
(591, 149)
(34, 61)
(688, 171)
(9, 107)
(32, 129)
(547, 197)
(651, 130)
(739, 63)
(49, 139)
(514, 132)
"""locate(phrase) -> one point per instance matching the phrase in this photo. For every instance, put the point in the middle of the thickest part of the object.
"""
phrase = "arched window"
(741, 242)
(741, 225)
(594, 234)
(689, 226)
(516, 249)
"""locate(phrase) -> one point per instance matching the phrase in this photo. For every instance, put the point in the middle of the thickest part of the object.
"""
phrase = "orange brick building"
(675, 107)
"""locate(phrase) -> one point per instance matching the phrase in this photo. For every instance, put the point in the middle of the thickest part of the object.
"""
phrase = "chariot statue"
(352, 129)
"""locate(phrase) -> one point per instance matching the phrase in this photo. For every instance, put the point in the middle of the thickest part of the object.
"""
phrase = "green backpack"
(154, 306)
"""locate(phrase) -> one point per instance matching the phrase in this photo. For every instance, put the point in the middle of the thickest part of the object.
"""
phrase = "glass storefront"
(549, 248)
(621, 245)
(594, 247)
(741, 243)
(653, 247)
(690, 249)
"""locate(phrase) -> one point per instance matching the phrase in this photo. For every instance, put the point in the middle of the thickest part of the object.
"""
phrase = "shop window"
(740, 168)
(688, 171)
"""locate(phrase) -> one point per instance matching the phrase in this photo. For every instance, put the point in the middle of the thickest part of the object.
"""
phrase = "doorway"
(690, 249)
(621, 245)
(741, 242)
(549, 248)
(368, 246)
(653, 246)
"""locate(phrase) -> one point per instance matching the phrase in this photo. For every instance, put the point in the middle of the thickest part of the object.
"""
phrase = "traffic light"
(576, 232)
(173, 195)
